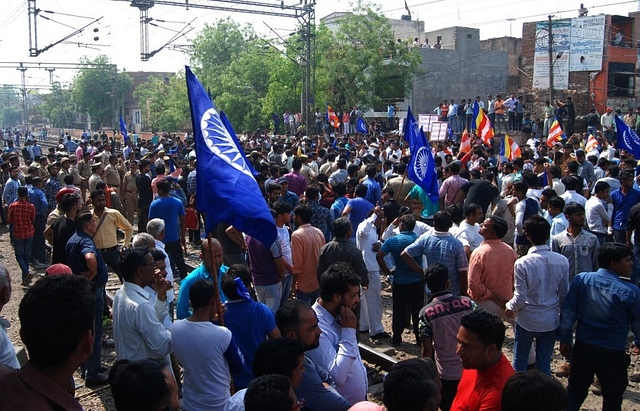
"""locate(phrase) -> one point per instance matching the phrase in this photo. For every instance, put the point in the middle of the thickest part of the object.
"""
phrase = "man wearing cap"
(111, 175)
(130, 191)
(96, 176)
(52, 187)
(84, 169)
(606, 121)
(65, 164)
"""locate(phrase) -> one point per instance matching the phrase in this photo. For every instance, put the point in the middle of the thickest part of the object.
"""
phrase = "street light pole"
(551, 60)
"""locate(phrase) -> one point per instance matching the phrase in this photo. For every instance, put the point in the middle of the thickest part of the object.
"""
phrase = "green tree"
(10, 106)
(362, 63)
(164, 103)
(98, 89)
(57, 107)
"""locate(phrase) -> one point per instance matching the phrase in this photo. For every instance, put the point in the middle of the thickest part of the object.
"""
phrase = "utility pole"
(23, 91)
(551, 61)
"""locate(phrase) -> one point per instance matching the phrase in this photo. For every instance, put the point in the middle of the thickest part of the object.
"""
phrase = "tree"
(10, 106)
(57, 107)
(164, 103)
(362, 61)
(98, 89)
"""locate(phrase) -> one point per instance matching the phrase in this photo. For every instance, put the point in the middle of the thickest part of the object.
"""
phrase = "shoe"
(380, 336)
(27, 280)
(564, 370)
(396, 342)
(96, 380)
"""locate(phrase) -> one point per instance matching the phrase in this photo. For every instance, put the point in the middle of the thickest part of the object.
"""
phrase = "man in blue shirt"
(407, 287)
(85, 260)
(358, 208)
(211, 263)
(39, 200)
(171, 210)
(623, 199)
(604, 307)
(374, 191)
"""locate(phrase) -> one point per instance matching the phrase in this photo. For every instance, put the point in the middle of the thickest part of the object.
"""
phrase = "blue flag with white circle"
(225, 187)
(422, 166)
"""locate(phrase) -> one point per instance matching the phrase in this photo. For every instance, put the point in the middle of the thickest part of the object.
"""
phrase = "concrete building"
(610, 79)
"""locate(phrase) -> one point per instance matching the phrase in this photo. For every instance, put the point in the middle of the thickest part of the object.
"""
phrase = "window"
(621, 81)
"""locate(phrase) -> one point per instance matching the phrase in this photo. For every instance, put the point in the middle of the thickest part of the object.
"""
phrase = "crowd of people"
(540, 243)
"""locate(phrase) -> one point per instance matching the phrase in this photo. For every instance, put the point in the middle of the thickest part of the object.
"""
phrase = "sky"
(119, 29)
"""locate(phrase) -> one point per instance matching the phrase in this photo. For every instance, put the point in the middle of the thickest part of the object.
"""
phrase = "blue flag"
(450, 132)
(362, 126)
(172, 166)
(227, 190)
(123, 130)
(227, 125)
(627, 138)
(476, 111)
(422, 166)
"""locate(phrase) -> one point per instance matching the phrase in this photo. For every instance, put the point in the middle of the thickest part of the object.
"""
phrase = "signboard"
(438, 131)
(425, 121)
(561, 47)
(587, 43)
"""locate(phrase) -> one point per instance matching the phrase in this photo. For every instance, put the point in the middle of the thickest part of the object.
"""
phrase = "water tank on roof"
(405, 17)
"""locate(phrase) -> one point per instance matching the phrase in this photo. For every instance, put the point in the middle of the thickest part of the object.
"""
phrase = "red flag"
(484, 129)
(465, 142)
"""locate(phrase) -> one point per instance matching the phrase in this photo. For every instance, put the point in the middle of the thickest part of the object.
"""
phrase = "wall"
(460, 70)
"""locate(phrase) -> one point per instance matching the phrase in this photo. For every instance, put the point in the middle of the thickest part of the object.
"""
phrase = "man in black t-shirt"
(61, 230)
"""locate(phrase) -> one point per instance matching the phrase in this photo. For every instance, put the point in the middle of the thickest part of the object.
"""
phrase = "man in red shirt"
(21, 216)
(486, 369)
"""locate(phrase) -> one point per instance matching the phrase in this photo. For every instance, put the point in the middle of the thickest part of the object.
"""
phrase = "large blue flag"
(422, 166)
(123, 130)
(362, 126)
(227, 190)
(627, 138)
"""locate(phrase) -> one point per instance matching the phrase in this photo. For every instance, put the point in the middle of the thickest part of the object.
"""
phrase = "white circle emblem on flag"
(421, 163)
(220, 143)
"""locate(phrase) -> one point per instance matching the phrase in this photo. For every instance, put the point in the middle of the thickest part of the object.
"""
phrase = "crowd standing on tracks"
(546, 242)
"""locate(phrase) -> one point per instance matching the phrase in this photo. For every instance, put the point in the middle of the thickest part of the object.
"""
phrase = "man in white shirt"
(155, 227)
(557, 220)
(368, 243)
(137, 330)
(469, 230)
(338, 350)
(598, 211)
(572, 184)
(541, 282)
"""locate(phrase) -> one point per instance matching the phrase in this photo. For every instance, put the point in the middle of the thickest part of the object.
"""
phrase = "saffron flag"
(422, 166)
(362, 126)
(484, 128)
(227, 190)
(123, 130)
(592, 144)
(627, 138)
(555, 133)
(407, 7)
(465, 142)
(332, 118)
(509, 148)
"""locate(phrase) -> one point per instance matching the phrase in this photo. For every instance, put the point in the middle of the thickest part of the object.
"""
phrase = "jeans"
(544, 349)
(269, 295)
(592, 130)
(620, 236)
(287, 282)
(404, 295)
(111, 257)
(308, 297)
(38, 251)
(608, 365)
(512, 120)
(500, 123)
(635, 271)
(22, 250)
(174, 250)
(93, 363)
(609, 135)
(143, 217)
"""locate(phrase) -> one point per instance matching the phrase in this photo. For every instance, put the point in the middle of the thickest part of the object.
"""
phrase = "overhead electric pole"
(551, 60)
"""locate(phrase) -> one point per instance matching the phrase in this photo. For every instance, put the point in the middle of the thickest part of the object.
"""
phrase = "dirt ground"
(100, 399)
